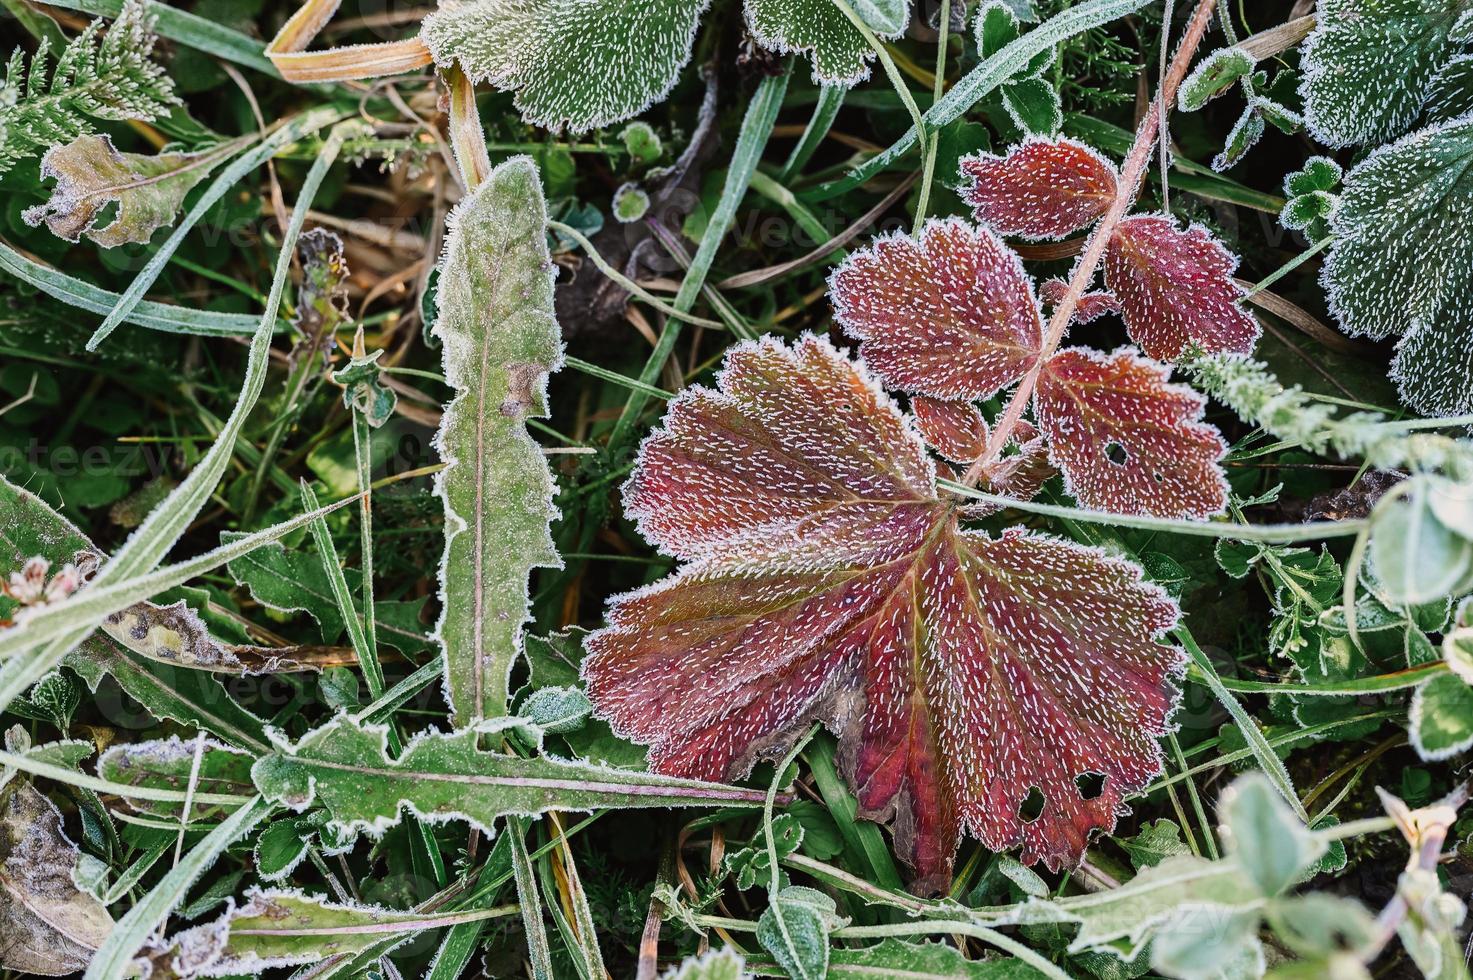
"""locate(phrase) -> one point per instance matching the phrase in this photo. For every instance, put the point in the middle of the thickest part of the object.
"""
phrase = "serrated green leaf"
(1369, 65)
(795, 930)
(817, 28)
(1155, 843)
(577, 64)
(170, 764)
(500, 340)
(1442, 717)
(1402, 262)
(345, 766)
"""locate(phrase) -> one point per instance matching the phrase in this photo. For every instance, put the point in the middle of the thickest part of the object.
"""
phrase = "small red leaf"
(956, 430)
(1020, 474)
(951, 315)
(959, 671)
(1042, 189)
(1091, 306)
(1126, 440)
(1176, 288)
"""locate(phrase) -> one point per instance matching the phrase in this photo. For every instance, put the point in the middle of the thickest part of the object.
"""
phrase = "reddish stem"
(1094, 250)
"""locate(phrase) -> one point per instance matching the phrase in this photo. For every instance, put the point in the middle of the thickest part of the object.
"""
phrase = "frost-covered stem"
(467, 138)
(1094, 250)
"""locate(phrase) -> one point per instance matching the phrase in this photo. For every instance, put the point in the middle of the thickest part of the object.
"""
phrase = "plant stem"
(1130, 180)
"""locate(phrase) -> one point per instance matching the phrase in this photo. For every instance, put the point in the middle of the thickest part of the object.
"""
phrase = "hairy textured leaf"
(1126, 440)
(345, 766)
(500, 341)
(922, 961)
(48, 925)
(718, 964)
(90, 173)
(795, 930)
(577, 64)
(1176, 289)
(950, 314)
(1041, 189)
(1401, 262)
(825, 580)
(1091, 306)
(275, 929)
(819, 29)
(1369, 65)
(169, 764)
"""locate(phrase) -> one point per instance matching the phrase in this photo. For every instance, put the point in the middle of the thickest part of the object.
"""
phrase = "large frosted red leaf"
(1125, 439)
(1043, 188)
(951, 314)
(1176, 288)
(956, 430)
(959, 671)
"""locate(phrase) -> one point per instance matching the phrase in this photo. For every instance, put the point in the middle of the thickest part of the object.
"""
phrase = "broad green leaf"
(1401, 263)
(1271, 843)
(276, 929)
(1415, 556)
(795, 930)
(1442, 717)
(1203, 944)
(1369, 65)
(819, 29)
(48, 925)
(1320, 924)
(279, 849)
(578, 64)
(90, 174)
(500, 341)
(345, 766)
(170, 764)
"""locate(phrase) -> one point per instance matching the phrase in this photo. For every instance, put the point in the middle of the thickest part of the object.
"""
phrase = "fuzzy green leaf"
(90, 173)
(795, 930)
(1416, 557)
(1442, 717)
(345, 766)
(1272, 845)
(169, 764)
(1213, 75)
(718, 964)
(578, 64)
(1402, 262)
(500, 340)
(819, 29)
(1369, 65)
(922, 961)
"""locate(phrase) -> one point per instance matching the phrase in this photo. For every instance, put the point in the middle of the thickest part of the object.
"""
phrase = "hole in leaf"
(1116, 453)
(1032, 806)
(1090, 785)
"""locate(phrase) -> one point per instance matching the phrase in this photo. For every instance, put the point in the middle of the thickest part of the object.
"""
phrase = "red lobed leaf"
(1043, 188)
(1176, 288)
(827, 581)
(1020, 474)
(1091, 306)
(956, 430)
(950, 314)
(1126, 440)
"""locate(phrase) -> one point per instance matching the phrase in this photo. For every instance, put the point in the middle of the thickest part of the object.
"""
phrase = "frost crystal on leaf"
(1091, 306)
(1176, 288)
(1126, 440)
(1370, 65)
(1042, 189)
(1402, 262)
(951, 314)
(956, 430)
(819, 29)
(825, 580)
(574, 63)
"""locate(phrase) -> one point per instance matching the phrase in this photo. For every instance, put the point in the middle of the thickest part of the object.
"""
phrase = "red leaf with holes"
(1125, 439)
(1043, 189)
(951, 314)
(1091, 306)
(1176, 288)
(824, 580)
(956, 430)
